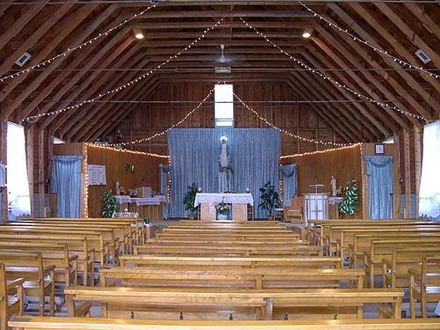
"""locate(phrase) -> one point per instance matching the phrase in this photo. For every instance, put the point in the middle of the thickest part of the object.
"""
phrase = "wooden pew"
(260, 304)
(11, 297)
(95, 240)
(234, 224)
(226, 249)
(425, 284)
(57, 254)
(257, 278)
(122, 232)
(77, 246)
(69, 323)
(38, 277)
(380, 249)
(395, 268)
(232, 262)
(287, 236)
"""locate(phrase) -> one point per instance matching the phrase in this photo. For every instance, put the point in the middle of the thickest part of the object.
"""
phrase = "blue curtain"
(66, 184)
(290, 187)
(380, 186)
(253, 154)
(163, 175)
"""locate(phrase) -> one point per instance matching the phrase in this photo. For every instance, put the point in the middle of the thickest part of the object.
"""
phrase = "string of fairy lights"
(80, 46)
(376, 49)
(325, 77)
(180, 122)
(131, 82)
(295, 136)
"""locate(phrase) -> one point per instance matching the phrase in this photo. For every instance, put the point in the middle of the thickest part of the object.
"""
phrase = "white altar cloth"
(223, 197)
(155, 200)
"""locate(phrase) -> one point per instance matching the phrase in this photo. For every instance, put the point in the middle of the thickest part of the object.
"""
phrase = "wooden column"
(397, 176)
(4, 160)
(418, 147)
(407, 170)
(29, 141)
(41, 172)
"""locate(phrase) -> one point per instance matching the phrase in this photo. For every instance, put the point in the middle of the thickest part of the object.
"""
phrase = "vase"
(222, 216)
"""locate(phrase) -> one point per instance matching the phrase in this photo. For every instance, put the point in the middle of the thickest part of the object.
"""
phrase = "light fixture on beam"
(138, 34)
(307, 33)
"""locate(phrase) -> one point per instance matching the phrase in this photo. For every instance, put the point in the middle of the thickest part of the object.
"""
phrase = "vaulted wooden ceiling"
(85, 59)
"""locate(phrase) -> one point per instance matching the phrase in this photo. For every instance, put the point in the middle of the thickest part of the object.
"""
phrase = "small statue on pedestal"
(333, 185)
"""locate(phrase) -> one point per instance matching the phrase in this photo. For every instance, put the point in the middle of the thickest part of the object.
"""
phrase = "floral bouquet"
(222, 208)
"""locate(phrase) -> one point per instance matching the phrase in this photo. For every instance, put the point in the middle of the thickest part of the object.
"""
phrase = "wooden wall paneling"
(378, 25)
(69, 25)
(339, 124)
(418, 147)
(4, 160)
(371, 79)
(32, 40)
(90, 87)
(376, 124)
(343, 164)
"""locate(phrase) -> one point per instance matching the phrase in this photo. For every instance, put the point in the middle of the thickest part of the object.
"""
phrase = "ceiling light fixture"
(307, 33)
(138, 34)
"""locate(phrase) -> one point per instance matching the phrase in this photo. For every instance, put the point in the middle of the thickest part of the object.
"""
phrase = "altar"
(146, 207)
(207, 202)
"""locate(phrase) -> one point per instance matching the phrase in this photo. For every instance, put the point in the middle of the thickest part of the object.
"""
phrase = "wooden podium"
(207, 202)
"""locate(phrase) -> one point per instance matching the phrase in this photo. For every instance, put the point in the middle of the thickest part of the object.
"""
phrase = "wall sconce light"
(307, 33)
(132, 168)
(138, 34)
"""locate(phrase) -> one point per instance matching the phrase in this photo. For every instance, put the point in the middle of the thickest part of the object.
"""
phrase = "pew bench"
(11, 297)
(57, 254)
(395, 268)
(425, 284)
(144, 260)
(39, 278)
(257, 304)
(77, 246)
(257, 278)
(226, 249)
(71, 323)
(380, 249)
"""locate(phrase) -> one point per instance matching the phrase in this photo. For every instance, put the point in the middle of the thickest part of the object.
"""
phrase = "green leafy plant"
(109, 204)
(189, 198)
(270, 199)
(350, 194)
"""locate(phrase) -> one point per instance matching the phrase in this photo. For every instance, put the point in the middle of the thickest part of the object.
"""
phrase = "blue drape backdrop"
(254, 156)
(290, 187)
(380, 186)
(66, 183)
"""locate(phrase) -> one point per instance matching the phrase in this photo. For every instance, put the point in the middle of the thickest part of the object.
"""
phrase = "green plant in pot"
(189, 198)
(350, 194)
(109, 204)
(270, 199)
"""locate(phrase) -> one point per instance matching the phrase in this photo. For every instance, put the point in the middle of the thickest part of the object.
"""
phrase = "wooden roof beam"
(356, 63)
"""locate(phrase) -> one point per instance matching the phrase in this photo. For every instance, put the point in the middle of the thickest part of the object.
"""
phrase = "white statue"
(333, 185)
(224, 161)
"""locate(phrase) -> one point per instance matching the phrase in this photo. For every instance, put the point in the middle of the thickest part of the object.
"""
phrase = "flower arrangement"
(222, 208)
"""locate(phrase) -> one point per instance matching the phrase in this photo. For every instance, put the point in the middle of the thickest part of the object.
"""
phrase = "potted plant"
(270, 199)
(222, 210)
(188, 200)
(109, 204)
(350, 194)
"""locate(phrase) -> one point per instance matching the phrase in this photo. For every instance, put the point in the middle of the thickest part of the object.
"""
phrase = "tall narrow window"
(224, 105)
(430, 184)
(18, 188)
